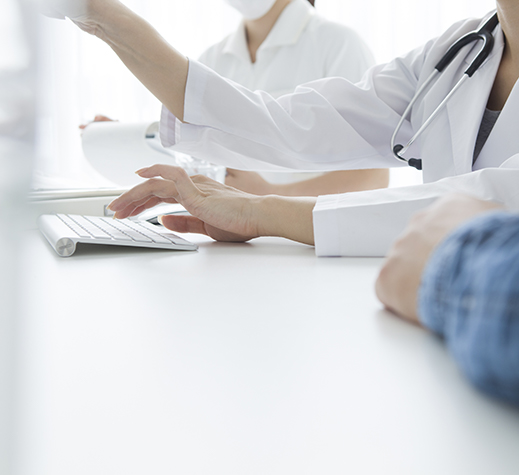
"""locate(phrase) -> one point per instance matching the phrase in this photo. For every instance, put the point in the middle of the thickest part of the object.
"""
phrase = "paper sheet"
(117, 150)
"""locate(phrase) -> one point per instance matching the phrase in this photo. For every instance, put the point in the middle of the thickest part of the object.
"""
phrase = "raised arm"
(161, 68)
(233, 126)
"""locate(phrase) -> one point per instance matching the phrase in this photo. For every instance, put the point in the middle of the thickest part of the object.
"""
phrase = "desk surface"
(239, 359)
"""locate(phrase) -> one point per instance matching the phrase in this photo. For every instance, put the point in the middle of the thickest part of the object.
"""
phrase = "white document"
(117, 150)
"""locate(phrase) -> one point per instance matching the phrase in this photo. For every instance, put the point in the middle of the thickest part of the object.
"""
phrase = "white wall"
(16, 148)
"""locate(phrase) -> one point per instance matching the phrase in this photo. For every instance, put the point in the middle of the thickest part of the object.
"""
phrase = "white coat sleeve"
(327, 124)
(367, 223)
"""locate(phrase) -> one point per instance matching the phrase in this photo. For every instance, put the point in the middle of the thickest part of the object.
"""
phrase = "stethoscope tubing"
(484, 34)
(429, 120)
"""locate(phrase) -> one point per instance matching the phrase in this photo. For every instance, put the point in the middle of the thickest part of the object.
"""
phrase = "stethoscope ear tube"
(488, 44)
(484, 34)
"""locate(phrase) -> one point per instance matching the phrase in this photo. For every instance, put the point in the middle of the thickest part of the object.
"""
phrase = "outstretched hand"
(64, 8)
(219, 211)
(82, 12)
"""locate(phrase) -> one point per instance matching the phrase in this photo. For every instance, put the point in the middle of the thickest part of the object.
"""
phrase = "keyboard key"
(90, 227)
(114, 231)
(74, 226)
(150, 230)
(129, 230)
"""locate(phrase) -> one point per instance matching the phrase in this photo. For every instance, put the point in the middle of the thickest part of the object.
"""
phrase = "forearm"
(146, 54)
(336, 182)
(286, 217)
(369, 222)
(470, 296)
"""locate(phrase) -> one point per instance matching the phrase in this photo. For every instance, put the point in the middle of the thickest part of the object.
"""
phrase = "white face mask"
(252, 9)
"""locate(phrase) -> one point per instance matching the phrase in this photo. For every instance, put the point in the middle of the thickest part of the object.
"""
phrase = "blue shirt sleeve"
(469, 295)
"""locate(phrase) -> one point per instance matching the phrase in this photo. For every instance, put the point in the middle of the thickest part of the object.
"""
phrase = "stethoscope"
(484, 34)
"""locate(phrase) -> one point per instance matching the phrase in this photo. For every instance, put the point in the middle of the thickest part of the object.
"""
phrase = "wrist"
(272, 189)
(286, 217)
(101, 16)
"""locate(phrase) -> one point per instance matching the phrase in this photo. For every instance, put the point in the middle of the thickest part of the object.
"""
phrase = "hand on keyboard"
(199, 195)
(219, 211)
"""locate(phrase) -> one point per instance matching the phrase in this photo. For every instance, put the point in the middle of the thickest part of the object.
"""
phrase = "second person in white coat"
(288, 45)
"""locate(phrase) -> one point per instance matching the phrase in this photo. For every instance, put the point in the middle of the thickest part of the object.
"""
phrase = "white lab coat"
(333, 124)
(301, 47)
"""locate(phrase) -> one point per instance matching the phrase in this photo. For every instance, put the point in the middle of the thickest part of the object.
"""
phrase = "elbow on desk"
(471, 290)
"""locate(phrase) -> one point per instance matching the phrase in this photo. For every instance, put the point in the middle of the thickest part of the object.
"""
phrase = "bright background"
(83, 77)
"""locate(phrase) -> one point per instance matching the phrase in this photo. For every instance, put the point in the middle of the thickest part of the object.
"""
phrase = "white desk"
(240, 359)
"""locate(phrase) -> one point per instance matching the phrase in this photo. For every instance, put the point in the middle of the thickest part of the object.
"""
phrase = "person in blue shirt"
(455, 270)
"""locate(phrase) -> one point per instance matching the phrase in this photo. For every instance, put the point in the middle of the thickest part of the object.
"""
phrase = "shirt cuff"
(326, 226)
(168, 128)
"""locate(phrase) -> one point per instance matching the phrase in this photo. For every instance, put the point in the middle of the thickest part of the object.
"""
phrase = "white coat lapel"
(465, 109)
(503, 141)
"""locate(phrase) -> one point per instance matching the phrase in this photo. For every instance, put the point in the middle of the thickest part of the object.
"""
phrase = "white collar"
(286, 31)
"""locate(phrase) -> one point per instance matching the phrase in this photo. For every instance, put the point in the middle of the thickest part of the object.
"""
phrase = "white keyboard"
(65, 231)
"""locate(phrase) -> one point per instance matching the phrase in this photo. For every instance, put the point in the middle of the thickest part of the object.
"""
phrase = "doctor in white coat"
(325, 125)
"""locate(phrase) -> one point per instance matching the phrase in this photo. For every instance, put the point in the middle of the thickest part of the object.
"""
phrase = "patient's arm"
(399, 280)
(327, 184)
(469, 296)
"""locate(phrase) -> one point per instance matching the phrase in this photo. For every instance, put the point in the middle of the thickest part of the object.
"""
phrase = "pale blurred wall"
(17, 92)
